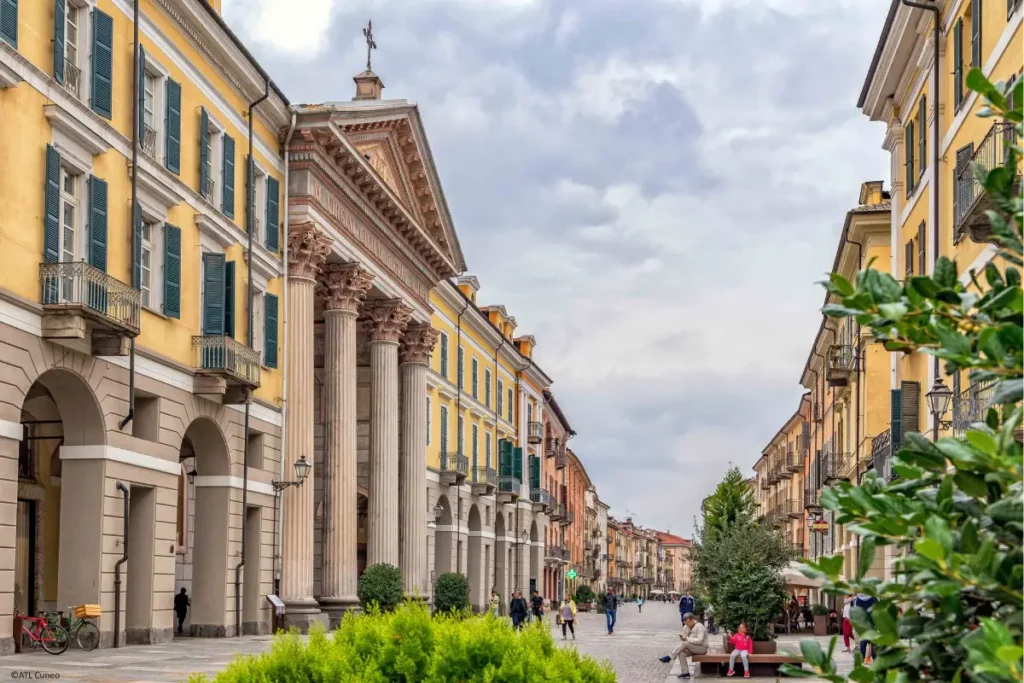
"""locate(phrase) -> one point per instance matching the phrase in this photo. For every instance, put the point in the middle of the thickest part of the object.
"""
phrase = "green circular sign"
(571, 573)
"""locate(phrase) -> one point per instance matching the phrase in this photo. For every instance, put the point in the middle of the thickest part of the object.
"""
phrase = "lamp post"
(939, 398)
(302, 468)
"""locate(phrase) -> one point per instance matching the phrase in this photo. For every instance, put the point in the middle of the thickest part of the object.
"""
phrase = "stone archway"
(501, 565)
(444, 545)
(208, 541)
(475, 561)
(536, 558)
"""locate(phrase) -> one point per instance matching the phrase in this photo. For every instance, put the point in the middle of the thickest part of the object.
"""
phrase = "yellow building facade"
(127, 344)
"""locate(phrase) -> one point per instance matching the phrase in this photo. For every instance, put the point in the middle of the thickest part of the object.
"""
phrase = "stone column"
(386, 320)
(342, 286)
(414, 355)
(307, 250)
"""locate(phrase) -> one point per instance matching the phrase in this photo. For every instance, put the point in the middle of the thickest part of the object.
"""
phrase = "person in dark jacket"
(686, 604)
(181, 605)
(610, 602)
(865, 603)
(517, 609)
(537, 605)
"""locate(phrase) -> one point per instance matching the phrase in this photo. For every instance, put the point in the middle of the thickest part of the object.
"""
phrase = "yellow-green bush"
(409, 646)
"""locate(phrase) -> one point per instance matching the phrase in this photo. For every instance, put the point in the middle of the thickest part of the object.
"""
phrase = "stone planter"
(821, 625)
(584, 607)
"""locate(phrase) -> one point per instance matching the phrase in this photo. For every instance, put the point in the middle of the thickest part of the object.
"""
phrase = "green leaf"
(937, 529)
(945, 273)
(1009, 391)
(867, 556)
(1007, 510)
(841, 285)
(862, 675)
(931, 549)
(893, 311)
(813, 654)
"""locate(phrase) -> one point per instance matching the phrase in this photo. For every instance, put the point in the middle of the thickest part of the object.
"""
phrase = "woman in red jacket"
(742, 645)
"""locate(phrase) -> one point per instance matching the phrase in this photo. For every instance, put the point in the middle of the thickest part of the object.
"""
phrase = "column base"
(336, 608)
(303, 615)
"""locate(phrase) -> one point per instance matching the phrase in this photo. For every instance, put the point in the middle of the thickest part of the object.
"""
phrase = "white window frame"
(146, 246)
(80, 200)
(156, 216)
(258, 307)
(159, 74)
(259, 186)
(216, 131)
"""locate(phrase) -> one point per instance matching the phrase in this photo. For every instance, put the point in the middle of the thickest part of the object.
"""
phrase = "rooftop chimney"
(368, 86)
(469, 285)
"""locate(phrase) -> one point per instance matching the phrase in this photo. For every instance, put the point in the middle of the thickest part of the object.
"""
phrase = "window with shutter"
(476, 449)
(9, 22)
(213, 294)
(958, 63)
(172, 141)
(229, 298)
(976, 22)
(487, 387)
(270, 330)
(908, 160)
(273, 211)
(517, 463)
(487, 449)
(500, 398)
(476, 368)
(908, 258)
(922, 258)
(444, 355)
(444, 429)
(534, 472)
(98, 223)
(102, 63)
(59, 20)
(511, 400)
(460, 435)
(228, 176)
(459, 368)
(205, 154)
(172, 271)
(922, 137)
(963, 179)
(51, 215)
(910, 397)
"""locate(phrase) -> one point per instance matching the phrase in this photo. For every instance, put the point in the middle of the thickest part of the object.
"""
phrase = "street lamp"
(938, 403)
(438, 512)
(192, 475)
(302, 468)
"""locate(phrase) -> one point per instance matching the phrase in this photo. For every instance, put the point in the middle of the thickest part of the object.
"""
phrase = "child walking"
(743, 645)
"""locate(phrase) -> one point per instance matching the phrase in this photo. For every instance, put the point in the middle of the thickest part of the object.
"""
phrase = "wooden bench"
(760, 665)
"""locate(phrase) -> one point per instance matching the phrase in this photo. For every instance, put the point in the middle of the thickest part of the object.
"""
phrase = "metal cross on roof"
(370, 45)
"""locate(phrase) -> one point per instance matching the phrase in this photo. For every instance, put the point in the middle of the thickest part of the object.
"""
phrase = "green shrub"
(408, 645)
(584, 594)
(451, 593)
(819, 610)
(381, 585)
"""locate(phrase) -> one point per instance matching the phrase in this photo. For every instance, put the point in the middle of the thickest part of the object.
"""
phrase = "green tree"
(584, 594)
(952, 517)
(381, 586)
(732, 504)
(451, 592)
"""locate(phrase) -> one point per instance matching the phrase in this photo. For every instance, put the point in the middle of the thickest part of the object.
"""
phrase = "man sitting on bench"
(692, 641)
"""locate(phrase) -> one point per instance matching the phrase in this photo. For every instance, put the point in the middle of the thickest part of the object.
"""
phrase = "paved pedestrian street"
(633, 651)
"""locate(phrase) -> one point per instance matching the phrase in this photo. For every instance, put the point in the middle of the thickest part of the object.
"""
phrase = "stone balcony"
(225, 368)
(454, 468)
(85, 308)
(485, 481)
(541, 500)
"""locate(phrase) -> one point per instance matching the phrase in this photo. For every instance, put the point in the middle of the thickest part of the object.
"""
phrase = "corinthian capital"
(386, 320)
(343, 286)
(307, 250)
(417, 344)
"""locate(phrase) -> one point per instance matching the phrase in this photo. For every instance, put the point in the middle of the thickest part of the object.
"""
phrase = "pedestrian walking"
(848, 638)
(743, 646)
(518, 610)
(537, 605)
(640, 605)
(181, 605)
(567, 616)
(495, 602)
(692, 641)
(610, 601)
(865, 603)
(686, 604)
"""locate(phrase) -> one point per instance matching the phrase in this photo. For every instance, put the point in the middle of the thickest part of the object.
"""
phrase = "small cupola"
(469, 285)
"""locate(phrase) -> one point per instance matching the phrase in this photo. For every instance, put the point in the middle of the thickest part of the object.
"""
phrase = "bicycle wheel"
(88, 636)
(54, 639)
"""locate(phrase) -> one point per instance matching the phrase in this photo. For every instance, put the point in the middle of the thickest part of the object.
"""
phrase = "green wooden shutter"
(908, 154)
(896, 420)
(922, 137)
(273, 213)
(534, 472)
(172, 124)
(213, 294)
(476, 372)
(459, 370)
(910, 393)
(505, 458)
(500, 398)
(511, 401)
(228, 173)
(102, 63)
(58, 40)
(922, 250)
(204, 153)
(444, 430)
(476, 447)
(229, 298)
(487, 388)
(172, 271)
(98, 223)
(270, 331)
(517, 463)
(141, 122)
(9, 22)
(137, 249)
(958, 62)
(976, 22)
(51, 215)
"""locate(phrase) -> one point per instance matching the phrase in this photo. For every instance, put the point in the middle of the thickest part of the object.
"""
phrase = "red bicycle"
(42, 632)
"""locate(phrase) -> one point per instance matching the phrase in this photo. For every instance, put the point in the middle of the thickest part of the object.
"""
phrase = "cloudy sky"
(652, 187)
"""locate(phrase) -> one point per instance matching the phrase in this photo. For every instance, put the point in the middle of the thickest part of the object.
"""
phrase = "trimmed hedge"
(451, 593)
(408, 645)
(381, 586)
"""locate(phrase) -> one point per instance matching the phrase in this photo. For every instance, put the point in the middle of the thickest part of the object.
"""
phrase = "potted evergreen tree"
(820, 614)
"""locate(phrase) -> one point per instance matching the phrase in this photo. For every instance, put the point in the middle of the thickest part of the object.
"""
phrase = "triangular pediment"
(392, 141)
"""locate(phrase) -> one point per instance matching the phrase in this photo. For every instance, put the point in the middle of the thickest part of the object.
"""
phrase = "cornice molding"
(62, 120)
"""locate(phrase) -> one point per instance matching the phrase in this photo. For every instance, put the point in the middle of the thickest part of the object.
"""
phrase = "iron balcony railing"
(812, 499)
(149, 141)
(540, 496)
(77, 284)
(881, 455)
(557, 511)
(971, 405)
(211, 191)
(455, 462)
(560, 457)
(72, 77)
(765, 484)
(840, 364)
(534, 432)
(221, 353)
(835, 466)
(485, 475)
(508, 483)
(569, 517)
(794, 460)
(968, 194)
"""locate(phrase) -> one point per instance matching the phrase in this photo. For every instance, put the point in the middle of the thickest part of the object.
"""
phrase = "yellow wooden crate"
(88, 611)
